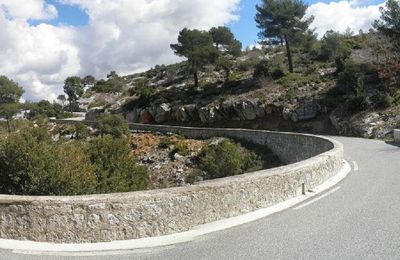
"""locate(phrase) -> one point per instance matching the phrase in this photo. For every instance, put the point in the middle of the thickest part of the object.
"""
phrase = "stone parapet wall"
(396, 134)
(141, 214)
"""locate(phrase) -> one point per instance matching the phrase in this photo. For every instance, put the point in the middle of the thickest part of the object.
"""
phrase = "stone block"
(397, 136)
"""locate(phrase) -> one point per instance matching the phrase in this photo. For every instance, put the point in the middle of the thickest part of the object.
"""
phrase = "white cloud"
(122, 35)
(341, 15)
(28, 9)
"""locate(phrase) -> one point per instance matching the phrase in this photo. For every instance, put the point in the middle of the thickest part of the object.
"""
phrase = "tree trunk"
(8, 126)
(196, 79)
(227, 73)
(289, 54)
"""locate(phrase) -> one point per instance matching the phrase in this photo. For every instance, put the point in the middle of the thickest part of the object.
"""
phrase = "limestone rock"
(163, 113)
(145, 117)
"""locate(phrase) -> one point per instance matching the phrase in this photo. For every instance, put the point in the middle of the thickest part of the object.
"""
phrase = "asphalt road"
(357, 219)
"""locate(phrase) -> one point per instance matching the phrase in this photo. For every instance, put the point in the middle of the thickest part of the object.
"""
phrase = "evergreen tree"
(389, 24)
(10, 94)
(279, 20)
(197, 46)
(74, 89)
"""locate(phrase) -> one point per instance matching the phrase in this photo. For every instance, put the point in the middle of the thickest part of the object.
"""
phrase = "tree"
(279, 20)
(389, 24)
(226, 43)
(62, 99)
(197, 46)
(88, 82)
(74, 89)
(222, 36)
(333, 46)
(10, 94)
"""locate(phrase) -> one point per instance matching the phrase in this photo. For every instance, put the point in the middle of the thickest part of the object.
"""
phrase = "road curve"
(358, 219)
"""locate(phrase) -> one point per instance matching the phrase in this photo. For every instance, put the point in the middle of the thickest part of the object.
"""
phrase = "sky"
(42, 42)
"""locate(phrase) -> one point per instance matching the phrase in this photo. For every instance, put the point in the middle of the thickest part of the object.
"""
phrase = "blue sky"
(245, 28)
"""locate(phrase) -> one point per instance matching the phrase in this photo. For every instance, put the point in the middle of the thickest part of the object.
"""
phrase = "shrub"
(194, 176)
(355, 103)
(31, 163)
(115, 166)
(226, 159)
(350, 76)
(383, 100)
(248, 64)
(46, 109)
(114, 125)
(165, 143)
(81, 131)
(180, 148)
(261, 69)
(333, 45)
(295, 80)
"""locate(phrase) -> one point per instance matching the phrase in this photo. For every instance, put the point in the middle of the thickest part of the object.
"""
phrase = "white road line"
(355, 166)
(317, 199)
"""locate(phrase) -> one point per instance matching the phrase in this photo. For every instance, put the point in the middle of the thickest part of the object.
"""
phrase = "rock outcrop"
(243, 110)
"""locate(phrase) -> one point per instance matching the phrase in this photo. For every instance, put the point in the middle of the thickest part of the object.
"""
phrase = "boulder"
(163, 113)
(145, 117)
(133, 116)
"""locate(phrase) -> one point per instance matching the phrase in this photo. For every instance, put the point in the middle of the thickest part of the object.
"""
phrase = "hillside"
(327, 93)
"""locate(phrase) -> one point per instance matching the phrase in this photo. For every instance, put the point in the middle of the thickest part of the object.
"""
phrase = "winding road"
(357, 219)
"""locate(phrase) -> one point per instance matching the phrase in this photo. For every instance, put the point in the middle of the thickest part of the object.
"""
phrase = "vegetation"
(197, 46)
(31, 163)
(280, 20)
(10, 94)
(46, 109)
(227, 158)
(114, 125)
(74, 89)
(389, 22)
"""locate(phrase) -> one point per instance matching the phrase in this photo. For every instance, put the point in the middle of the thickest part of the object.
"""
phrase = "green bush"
(114, 125)
(46, 109)
(350, 76)
(115, 166)
(180, 148)
(226, 159)
(165, 143)
(269, 68)
(261, 69)
(248, 64)
(357, 103)
(295, 80)
(81, 131)
(383, 100)
(31, 163)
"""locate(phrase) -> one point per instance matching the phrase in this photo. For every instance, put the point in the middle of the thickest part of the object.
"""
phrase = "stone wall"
(396, 134)
(160, 212)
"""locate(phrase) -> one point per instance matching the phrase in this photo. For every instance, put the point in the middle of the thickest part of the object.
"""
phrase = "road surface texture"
(357, 219)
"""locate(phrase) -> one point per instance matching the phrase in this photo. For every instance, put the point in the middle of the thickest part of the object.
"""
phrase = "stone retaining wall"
(396, 134)
(160, 212)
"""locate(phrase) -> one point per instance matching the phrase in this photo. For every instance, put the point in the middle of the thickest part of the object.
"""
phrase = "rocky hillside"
(334, 95)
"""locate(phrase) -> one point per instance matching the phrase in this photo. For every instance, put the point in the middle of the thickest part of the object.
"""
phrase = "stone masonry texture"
(100, 218)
